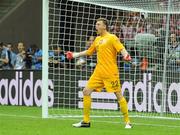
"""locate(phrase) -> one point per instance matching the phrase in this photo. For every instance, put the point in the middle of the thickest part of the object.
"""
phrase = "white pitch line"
(21, 116)
(142, 124)
(98, 121)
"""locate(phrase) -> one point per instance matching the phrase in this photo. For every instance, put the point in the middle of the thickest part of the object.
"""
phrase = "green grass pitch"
(16, 120)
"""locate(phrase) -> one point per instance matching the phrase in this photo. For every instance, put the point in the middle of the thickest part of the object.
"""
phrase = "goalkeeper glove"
(127, 58)
(70, 55)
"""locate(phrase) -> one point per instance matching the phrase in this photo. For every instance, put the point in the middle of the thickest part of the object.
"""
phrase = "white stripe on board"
(99, 95)
(95, 105)
(82, 83)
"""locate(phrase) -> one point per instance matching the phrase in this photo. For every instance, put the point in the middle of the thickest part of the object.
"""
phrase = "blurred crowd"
(126, 26)
(18, 57)
(131, 24)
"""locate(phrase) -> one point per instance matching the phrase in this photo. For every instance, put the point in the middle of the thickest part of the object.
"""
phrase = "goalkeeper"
(106, 74)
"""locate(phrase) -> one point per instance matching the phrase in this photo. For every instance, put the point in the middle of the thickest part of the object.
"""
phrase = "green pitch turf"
(15, 120)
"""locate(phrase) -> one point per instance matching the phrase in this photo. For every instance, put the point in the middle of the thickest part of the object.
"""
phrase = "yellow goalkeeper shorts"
(97, 83)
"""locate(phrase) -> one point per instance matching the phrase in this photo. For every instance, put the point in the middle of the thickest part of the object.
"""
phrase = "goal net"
(150, 31)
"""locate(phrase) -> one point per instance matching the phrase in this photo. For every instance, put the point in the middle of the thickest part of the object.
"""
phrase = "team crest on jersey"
(102, 41)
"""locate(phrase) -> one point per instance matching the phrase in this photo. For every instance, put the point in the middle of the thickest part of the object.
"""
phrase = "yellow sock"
(124, 109)
(86, 109)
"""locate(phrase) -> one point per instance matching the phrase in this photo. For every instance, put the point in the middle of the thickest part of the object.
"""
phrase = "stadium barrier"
(24, 87)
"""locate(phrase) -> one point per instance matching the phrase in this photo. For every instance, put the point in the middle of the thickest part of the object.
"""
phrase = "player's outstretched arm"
(126, 55)
(71, 55)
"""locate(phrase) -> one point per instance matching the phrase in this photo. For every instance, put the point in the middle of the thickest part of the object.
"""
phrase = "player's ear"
(105, 27)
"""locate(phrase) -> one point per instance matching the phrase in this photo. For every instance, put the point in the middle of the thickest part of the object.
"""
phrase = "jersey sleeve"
(91, 49)
(117, 44)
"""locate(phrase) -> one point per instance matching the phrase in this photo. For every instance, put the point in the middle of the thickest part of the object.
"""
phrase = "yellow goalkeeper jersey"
(107, 47)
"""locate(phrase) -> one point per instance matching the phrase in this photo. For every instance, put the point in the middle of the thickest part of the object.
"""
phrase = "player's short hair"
(105, 21)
